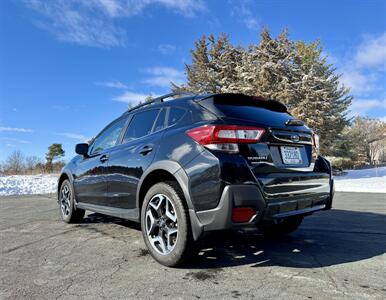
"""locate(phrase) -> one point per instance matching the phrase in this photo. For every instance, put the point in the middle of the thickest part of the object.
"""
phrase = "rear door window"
(160, 122)
(141, 125)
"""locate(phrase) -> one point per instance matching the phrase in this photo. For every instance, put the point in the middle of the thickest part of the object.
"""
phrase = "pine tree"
(213, 66)
(322, 101)
(294, 73)
(55, 151)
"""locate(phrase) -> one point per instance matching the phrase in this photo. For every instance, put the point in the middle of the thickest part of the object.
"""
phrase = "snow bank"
(28, 184)
(366, 180)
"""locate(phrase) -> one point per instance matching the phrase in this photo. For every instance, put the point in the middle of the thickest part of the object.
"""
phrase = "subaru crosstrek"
(199, 163)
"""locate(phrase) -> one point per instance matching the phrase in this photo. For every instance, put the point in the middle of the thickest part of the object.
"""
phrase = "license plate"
(291, 155)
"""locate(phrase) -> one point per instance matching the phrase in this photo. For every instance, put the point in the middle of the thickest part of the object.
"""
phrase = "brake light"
(219, 134)
(225, 137)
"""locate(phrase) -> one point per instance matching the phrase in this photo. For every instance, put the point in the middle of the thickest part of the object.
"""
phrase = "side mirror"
(81, 149)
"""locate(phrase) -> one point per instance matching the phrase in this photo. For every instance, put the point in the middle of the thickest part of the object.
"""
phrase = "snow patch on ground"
(28, 184)
(366, 180)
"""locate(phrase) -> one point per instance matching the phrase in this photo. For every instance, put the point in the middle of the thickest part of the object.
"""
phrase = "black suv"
(199, 163)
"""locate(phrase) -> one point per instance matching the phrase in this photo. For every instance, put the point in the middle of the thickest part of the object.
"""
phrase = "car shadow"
(100, 218)
(324, 239)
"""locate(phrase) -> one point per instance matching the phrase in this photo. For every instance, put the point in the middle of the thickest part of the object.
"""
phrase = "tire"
(68, 212)
(165, 224)
(286, 226)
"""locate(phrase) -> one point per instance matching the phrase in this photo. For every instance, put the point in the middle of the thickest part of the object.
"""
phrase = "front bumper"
(250, 195)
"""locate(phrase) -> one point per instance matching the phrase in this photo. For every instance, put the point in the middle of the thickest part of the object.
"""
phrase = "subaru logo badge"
(295, 138)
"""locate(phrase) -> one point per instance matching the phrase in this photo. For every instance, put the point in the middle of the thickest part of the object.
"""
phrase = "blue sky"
(68, 67)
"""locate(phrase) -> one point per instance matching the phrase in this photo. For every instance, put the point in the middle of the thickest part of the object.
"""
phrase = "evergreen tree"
(55, 151)
(321, 101)
(213, 66)
(294, 73)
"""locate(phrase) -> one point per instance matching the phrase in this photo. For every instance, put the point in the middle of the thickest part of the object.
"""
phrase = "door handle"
(104, 158)
(146, 150)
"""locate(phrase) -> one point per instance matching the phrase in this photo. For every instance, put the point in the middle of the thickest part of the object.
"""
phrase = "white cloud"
(163, 76)
(244, 12)
(167, 48)
(93, 22)
(132, 98)
(358, 82)
(372, 51)
(74, 136)
(14, 129)
(14, 140)
(364, 70)
(115, 84)
(362, 106)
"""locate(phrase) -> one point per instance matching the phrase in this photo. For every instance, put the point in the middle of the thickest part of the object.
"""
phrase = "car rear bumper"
(266, 208)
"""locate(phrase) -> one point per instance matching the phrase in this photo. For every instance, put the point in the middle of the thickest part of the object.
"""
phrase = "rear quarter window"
(175, 114)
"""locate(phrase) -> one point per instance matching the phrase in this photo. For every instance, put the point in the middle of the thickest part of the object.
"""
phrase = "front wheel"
(281, 228)
(68, 212)
(165, 224)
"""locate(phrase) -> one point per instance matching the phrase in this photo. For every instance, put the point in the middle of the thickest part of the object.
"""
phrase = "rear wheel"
(165, 224)
(284, 227)
(68, 212)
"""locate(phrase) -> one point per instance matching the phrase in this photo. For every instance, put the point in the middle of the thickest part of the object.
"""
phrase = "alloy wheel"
(65, 201)
(161, 224)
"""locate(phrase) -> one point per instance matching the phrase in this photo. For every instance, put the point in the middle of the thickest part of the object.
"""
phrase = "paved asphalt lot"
(335, 254)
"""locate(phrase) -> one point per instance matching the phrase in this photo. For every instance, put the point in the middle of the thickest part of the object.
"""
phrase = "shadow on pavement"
(325, 239)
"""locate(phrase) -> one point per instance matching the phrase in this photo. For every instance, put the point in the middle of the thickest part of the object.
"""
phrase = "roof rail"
(160, 99)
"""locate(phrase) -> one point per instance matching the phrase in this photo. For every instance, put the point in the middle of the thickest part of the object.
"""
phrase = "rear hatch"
(283, 160)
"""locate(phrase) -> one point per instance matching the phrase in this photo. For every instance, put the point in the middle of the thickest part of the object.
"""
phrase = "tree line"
(19, 164)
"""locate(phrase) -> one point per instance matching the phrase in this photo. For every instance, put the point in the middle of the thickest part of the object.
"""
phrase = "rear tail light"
(225, 137)
(315, 143)
(242, 214)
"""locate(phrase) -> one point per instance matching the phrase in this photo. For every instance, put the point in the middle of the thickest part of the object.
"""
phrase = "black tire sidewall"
(69, 217)
(179, 253)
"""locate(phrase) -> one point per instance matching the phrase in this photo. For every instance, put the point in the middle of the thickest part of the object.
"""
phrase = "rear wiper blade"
(294, 122)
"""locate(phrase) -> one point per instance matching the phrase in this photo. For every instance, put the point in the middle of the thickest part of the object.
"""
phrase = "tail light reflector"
(242, 214)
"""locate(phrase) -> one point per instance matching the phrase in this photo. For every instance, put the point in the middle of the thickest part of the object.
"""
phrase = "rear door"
(130, 159)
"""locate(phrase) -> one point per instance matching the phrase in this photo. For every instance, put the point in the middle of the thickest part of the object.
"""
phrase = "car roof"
(161, 101)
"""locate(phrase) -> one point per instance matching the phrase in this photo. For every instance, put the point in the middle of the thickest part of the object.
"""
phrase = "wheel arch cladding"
(151, 179)
(169, 170)
(62, 178)
(163, 171)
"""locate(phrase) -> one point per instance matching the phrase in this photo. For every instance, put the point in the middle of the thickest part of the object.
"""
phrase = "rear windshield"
(258, 114)
(238, 106)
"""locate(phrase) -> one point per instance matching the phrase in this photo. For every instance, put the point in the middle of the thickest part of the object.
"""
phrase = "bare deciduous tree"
(32, 163)
(367, 134)
(15, 163)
